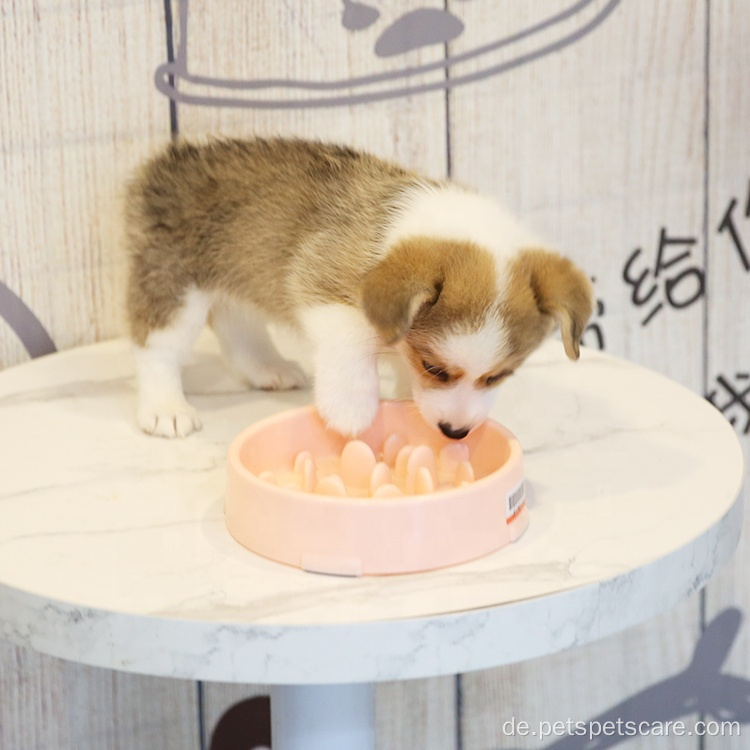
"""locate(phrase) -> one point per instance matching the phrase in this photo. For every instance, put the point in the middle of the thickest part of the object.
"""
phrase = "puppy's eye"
(495, 379)
(436, 372)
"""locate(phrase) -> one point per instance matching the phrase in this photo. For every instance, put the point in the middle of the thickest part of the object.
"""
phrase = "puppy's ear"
(401, 285)
(562, 291)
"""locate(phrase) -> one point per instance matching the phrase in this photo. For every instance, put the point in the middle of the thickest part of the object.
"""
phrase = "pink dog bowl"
(274, 461)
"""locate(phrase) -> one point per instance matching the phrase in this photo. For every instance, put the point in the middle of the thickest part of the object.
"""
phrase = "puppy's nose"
(453, 432)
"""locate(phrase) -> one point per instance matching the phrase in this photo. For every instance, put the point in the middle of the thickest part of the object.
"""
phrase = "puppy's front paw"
(350, 420)
(349, 409)
(168, 420)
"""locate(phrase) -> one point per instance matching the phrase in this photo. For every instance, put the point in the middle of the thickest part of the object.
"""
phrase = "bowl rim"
(235, 464)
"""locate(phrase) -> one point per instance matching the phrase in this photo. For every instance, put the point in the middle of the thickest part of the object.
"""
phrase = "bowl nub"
(364, 535)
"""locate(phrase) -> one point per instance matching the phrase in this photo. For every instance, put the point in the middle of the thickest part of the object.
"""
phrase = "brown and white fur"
(358, 254)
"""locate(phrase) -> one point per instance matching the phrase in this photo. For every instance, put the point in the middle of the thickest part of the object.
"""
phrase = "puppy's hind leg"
(248, 349)
(162, 408)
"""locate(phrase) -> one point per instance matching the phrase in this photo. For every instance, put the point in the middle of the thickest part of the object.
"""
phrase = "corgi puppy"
(356, 253)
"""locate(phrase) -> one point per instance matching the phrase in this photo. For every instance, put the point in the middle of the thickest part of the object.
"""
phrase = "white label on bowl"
(514, 500)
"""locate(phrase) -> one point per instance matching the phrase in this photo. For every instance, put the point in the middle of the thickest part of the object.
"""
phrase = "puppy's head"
(464, 322)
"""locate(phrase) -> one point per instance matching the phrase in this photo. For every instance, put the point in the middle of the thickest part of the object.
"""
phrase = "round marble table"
(113, 549)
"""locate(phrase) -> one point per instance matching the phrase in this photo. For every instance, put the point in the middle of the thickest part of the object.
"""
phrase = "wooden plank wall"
(626, 143)
(728, 311)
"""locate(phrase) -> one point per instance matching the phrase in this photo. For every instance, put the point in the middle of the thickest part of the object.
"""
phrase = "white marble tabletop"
(113, 549)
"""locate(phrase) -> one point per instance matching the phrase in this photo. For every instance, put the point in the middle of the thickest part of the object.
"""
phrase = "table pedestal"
(323, 717)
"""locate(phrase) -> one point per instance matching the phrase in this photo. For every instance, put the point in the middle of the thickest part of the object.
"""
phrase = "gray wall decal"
(418, 28)
(681, 286)
(702, 690)
(549, 34)
(735, 398)
(593, 336)
(729, 227)
(24, 323)
(358, 16)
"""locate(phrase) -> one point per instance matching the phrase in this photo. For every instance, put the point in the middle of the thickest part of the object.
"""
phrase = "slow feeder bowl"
(371, 535)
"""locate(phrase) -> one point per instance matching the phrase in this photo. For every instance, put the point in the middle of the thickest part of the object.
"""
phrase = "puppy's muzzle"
(454, 433)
